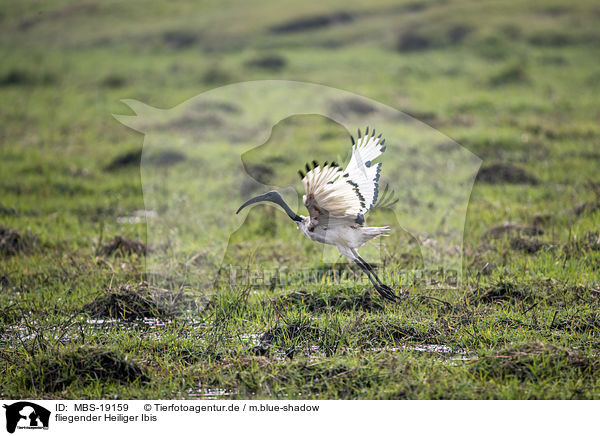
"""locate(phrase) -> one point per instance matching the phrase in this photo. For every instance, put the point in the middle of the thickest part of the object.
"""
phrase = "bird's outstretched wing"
(352, 192)
(386, 199)
(361, 173)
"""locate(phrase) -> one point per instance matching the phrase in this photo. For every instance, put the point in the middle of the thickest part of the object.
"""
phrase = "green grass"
(516, 84)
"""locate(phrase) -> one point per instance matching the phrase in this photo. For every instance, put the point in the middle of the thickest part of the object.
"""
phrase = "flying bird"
(337, 201)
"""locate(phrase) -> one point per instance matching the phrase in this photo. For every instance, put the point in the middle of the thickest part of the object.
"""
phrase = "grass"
(80, 317)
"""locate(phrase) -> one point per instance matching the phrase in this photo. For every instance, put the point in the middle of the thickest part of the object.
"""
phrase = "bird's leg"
(371, 270)
(384, 290)
(365, 269)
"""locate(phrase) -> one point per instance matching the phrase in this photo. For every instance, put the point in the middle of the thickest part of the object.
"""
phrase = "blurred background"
(515, 83)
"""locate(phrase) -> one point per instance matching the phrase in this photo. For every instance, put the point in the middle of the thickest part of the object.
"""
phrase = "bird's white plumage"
(353, 191)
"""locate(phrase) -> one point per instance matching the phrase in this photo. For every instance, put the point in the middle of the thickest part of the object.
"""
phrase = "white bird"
(337, 202)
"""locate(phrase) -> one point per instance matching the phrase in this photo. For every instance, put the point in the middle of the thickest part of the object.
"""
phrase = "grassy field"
(517, 84)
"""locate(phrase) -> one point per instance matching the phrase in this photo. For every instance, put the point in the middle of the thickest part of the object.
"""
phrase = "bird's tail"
(368, 233)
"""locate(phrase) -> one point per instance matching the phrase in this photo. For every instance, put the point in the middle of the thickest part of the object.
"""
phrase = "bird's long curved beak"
(257, 199)
(273, 197)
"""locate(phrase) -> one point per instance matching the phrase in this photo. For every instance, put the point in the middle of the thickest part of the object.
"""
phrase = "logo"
(26, 415)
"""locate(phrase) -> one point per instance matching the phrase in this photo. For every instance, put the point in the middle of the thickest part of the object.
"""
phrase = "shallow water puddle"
(147, 322)
(253, 338)
(138, 216)
(448, 352)
(24, 332)
(444, 351)
(209, 393)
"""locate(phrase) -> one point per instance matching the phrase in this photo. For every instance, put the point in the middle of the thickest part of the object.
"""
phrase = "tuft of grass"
(331, 301)
(119, 246)
(13, 242)
(528, 245)
(55, 372)
(216, 76)
(535, 360)
(503, 290)
(499, 173)
(129, 302)
(515, 73)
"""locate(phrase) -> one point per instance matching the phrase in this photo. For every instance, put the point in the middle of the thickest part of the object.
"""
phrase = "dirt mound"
(458, 33)
(512, 74)
(167, 157)
(134, 158)
(25, 78)
(513, 229)
(259, 172)
(13, 242)
(216, 75)
(127, 159)
(113, 81)
(585, 208)
(501, 291)
(57, 371)
(129, 302)
(179, 39)
(271, 62)
(352, 106)
(7, 211)
(505, 173)
(120, 246)
(313, 22)
(588, 207)
(412, 40)
(541, 219)
(527, 245)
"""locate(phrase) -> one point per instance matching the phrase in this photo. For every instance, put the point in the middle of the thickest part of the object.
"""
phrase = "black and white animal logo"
(26, 415)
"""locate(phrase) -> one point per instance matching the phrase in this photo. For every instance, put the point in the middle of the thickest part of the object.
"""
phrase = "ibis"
(337, 201)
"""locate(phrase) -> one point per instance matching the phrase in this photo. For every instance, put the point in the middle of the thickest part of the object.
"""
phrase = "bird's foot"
(386, 292)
